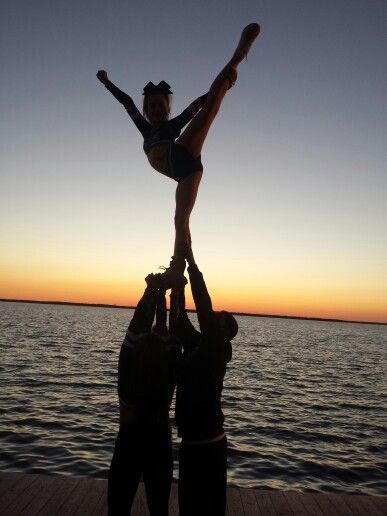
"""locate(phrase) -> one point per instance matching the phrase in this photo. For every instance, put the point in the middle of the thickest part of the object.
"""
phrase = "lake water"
(305, 401)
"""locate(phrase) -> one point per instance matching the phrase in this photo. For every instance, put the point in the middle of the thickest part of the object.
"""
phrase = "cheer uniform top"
(181, 162)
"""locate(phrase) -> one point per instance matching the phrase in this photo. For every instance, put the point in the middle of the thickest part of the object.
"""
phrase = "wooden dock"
(49, 495)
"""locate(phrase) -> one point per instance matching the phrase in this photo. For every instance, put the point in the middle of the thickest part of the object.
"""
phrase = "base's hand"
(154, 280)
(149, 280)
(102, 76)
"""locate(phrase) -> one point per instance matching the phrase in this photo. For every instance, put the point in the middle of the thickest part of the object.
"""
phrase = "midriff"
(158, 157)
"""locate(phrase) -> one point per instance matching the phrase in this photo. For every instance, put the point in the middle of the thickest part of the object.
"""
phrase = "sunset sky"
(291, 216)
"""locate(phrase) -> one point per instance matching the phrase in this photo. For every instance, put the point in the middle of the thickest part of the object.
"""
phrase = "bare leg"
(190, 257)
(194, 135)
(193, 139)
(160, 327)
(173, 309)
(186, 193)
(196, 132)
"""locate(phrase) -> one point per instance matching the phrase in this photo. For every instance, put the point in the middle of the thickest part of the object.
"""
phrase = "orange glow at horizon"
(333, 303)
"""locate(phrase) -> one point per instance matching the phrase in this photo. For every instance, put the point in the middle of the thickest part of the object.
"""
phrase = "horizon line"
(243, 314)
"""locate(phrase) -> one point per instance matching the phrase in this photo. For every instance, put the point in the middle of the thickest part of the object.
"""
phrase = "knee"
(212, 109)
(182, 222)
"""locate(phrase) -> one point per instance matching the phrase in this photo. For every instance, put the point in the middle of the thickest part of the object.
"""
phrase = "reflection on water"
(305, 401)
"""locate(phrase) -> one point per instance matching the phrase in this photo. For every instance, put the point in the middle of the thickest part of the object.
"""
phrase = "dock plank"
(46, 486)
(294, 500)
(8, 481)
(94, 491)
(264, 502)
(360, 506)
(353, 505)
(140, 506)
(381, 503)
(101, 508)
(234, 503)
(75, 499)
(249, 502)
(174, 500)
(339, 504)
(326, 505)
(280, 504)
(370, 507)
(64, 486)
(15, 499)
(311, 505)
(61, 495)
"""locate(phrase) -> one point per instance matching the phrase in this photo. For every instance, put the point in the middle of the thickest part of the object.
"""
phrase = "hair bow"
(161, 87)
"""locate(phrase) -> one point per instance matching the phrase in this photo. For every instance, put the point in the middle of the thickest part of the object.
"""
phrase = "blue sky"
(294, 184)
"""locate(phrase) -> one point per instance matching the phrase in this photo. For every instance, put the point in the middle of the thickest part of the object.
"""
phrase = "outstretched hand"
(165, 282)
(155, 280)
(102, 76)
(150, 280)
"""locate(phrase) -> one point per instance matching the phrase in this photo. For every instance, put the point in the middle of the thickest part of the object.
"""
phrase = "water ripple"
(305, 402)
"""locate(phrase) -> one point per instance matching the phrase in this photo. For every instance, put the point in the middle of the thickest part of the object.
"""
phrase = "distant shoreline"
(244, 314)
